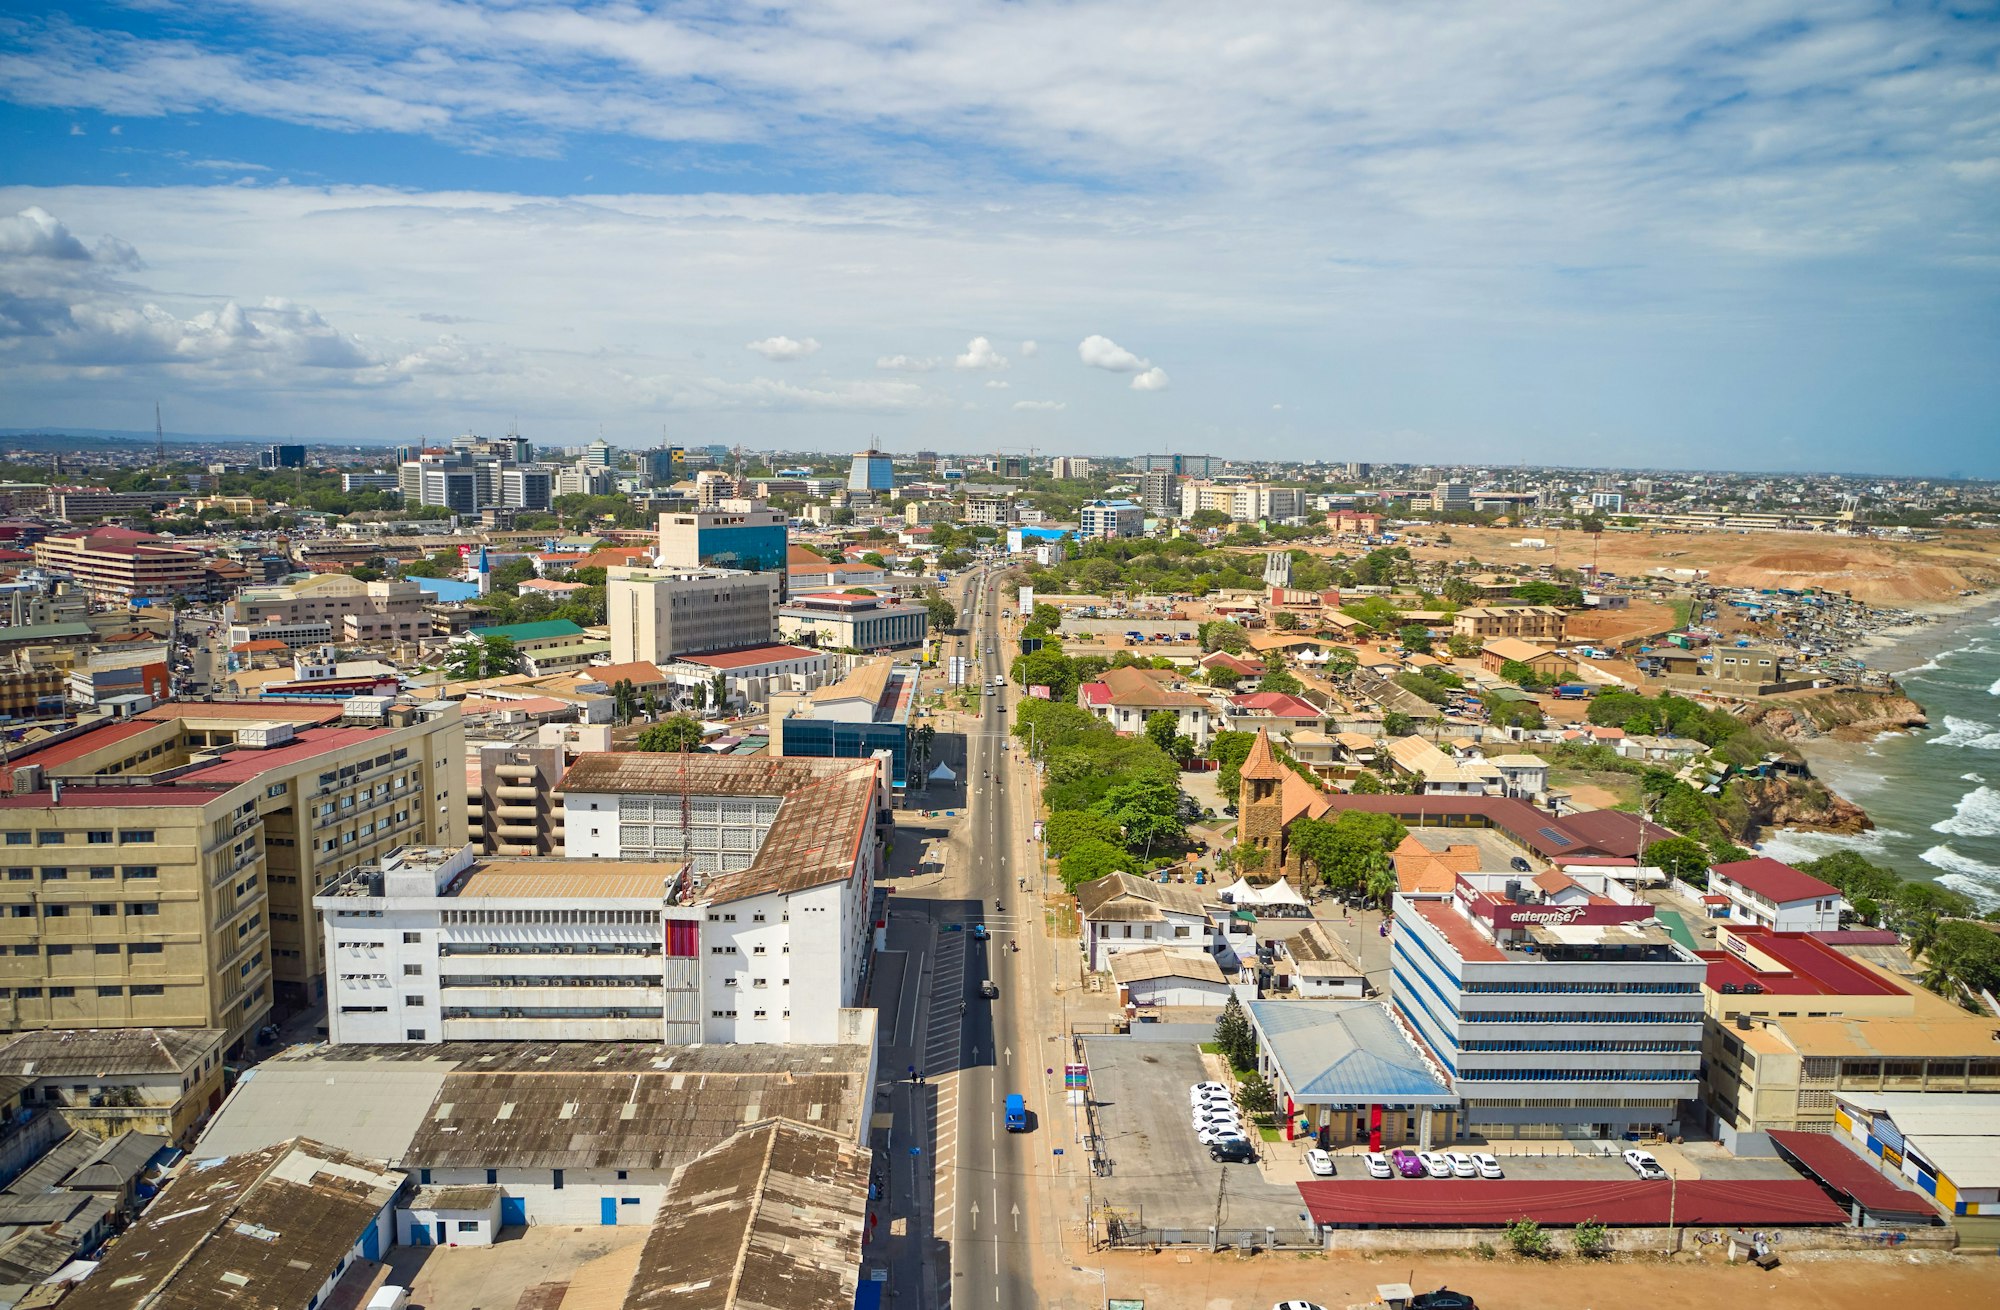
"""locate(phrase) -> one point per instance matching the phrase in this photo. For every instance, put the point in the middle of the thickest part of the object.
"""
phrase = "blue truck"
(1017, 1113)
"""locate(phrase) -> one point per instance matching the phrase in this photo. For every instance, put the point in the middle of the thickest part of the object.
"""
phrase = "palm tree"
(1921, 929)
(1380, 883)
(622, 700)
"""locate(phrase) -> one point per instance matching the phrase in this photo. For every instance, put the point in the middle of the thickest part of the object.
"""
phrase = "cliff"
(1844, 715)
(1800, 803)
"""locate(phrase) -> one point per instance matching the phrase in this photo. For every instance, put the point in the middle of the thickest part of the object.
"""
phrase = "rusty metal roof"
(771, 1218)
(266, 1228)
(104, 1052)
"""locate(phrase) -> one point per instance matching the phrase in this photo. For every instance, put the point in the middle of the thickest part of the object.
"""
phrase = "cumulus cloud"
(35, 233)
(979, 353)
(1044, 405)
(998, 384)
(906, 364)
(1153, 379)
(1104, 353)
(781, 350)
(1030, 349)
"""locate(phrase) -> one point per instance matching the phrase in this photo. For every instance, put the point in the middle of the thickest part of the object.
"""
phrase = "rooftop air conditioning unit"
(28, 779)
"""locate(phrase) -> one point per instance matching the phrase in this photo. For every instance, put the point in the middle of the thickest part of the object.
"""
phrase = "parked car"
(1213, 1119)
(1298, 1305)
(1488, 1166)
(1643, 1164)
(1320, 1163)
(1518, 865)
(1461, 1164)
(1208, 1087)
(1208, 1096)
(1443, 1299)
(1210, 1134)
(1407, 1163)
(1378, 1165)
(1234, 1150)
(1435, 1163)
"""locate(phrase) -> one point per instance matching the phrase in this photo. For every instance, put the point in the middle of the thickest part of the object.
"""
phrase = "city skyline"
(1728, 236)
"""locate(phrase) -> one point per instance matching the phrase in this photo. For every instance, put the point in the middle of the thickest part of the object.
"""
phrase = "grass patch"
(1682, 607)
(1211, 1048)
(1267, 1133)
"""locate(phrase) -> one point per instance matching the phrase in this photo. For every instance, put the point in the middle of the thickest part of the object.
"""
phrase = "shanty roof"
(266, 1228)
(771, 1218)
(98, 1052)
(1128, 898)
(1346, 1051)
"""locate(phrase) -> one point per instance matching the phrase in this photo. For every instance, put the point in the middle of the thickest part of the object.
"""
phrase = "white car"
(1200, 1097)
(1320, 1163)
(1461, 1164)
(1435, 1164)
(1209, 1087)
(1488, 1166)
(1297, 1305)
(1209, 1135)
(1643, 1164)
(1378, 1165)
(1217, 1119)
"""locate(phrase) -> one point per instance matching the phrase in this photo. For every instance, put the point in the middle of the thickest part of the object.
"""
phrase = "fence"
(1125, 1234)
(1632, 1241)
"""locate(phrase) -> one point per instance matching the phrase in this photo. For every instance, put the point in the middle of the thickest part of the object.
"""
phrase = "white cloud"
(906, 364)
(979, 353)
(1153, 379)
(1104, 353)
(35, 233)
(782, 350)
(1030, 349)
(1045, 405)
(998, 384)
(76, 129)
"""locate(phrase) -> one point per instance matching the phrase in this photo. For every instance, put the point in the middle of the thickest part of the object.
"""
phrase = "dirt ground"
(1878, 571)
(1850, 1282)
(1613, 627)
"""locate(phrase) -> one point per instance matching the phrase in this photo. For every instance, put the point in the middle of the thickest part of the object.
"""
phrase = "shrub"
(1526, 1238)
(1591, 1238)
(1485, 1250)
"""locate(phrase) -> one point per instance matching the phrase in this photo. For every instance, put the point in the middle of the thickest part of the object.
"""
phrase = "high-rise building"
(528, 487)
(456, 489)
(665, 466)
(597, 454)
(120, 565)
(734, 534)
(1069, 467)
(159, 871)
(1187, 466)
(1106, 519)
(1159, 492)
(1451, 498)
(659, 614)
(282, 457)
(873, 470)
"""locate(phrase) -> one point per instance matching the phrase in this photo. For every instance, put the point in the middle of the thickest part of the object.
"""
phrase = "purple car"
(1407, 1164)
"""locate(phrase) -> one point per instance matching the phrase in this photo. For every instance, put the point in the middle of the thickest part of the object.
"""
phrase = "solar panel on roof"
(1557, 837)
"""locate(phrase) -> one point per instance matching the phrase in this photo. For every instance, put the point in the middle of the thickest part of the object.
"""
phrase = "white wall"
(485, 1226)
(580, 1198)
(1178, 991)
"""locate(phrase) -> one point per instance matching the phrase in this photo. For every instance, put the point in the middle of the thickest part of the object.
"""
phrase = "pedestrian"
(913, 1073)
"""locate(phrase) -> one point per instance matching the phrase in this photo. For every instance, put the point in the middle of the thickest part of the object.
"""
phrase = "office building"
(1180, 466)
(771, 916)
(865, 712)
(597, 455)
(1104, 520)
(1557, 1004)
(455, 489)
(1159, 493)
(282, 457)
(530, 487)
(388, 609)
(581, 479)
(1451, 498)
(1244, 502)
(1794, 1026)
(991, 511)
(872, 470)
(665, 466)
(741, 535)
(120, 566)
(843, 621)
(657, 615)
(369, 481)
(510, 806)
(159, 870)
(83, 504)
(1069, 468)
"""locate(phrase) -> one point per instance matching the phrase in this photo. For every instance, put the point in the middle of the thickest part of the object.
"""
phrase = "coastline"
(1903, 647)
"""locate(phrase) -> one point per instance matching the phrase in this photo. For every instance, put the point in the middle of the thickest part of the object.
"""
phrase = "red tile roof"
(1826, 1158)
(1811, 967)
(1276, 703)
(1780, 882)
(1458, 1203)
(74, 748)
(749, 656)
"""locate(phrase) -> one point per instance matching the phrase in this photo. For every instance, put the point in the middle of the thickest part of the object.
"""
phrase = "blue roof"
(1346, 1051)
(448, 589)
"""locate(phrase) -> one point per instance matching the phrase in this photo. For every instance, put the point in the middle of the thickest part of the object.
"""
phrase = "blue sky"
(1725, 234)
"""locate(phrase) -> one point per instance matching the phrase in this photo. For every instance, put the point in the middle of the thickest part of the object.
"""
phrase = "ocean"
(1934, 794)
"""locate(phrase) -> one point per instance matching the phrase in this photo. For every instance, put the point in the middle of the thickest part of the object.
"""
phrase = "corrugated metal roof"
(1828, 1158)
(1340, 1051)
(1459, 1203)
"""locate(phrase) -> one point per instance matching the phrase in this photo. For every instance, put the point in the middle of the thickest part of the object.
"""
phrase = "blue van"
(1017, 1113)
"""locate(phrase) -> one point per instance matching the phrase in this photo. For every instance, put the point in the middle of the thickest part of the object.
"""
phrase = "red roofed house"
(1777, 896)
(1222, 659)
(1125, 697)
(1271, 709)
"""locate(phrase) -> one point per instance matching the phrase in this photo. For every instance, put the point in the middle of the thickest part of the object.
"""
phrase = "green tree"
(942, 613)
(1348, 850)
(1416, 637)
(1256, 1095)
(1148, 810)
(1065, 828)
(1162, 726)
(1520, 673)
(1221, 634)
(1367, 783)
(1206, 519)
(1680, 857)
(1046, 668)
(1091, 859)
(1229, 750)
(1235, 1037)
(677, 733)
(1463, 646)
(624, 700)
(1285, 621)
(1549, 593)
(481, 657)
(1397, 724)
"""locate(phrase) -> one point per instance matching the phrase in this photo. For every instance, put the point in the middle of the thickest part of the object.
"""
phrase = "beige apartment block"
(159, 871)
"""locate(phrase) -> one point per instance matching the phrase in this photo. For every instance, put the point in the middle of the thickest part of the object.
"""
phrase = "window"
(102, 871)
(129, 836)
(60, 992)
(107, 948)
(55, 875)
(142, 908)
(18, 838)
(469, 1225)
(56, 911)
(142, 871)
(557, 1181)
(416, 1035)
(413, 1000)
(111, 991)
(413, 938)
(48, 837)
(97, 837)
(148, 989)
(20, 875)
(102, 910)
(413, 971)
(493, 1175)
(145, 948)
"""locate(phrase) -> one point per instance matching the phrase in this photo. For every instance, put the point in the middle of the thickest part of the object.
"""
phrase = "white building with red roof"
(1777, 896)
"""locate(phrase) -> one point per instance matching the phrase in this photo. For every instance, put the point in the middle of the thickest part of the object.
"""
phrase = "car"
(1217, 1119)
(1320, 1163)
(1488, 1166)
(1443, 1299)
(979, 932)
(1233, 1150)
(1378, 1165)
(1206, 1107)
(1461, 1164)
(1209, 1087)
(1209, 1134)
(989, 989)
(1298, 1305)
(1435, 1164)
(1644, 1164)
(1518, 865)
(1407, 1163)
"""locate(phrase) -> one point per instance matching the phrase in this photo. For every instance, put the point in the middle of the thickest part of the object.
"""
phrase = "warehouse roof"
(1457, 1203)
(97, 1052)
(1827, 1157)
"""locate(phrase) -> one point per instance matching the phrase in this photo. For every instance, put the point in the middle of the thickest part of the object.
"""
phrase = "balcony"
(509, 793)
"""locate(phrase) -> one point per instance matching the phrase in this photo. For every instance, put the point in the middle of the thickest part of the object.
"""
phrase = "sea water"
(1934, 794)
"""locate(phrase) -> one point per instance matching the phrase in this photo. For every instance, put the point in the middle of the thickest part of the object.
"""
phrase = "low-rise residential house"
(1548, 665)
(1123, 912)
(1126, 697)
(1155, 976)
(1483, 623)
(1524, 777)
(1438, 774)
(1274, 710)
(1770, 893)
(1313, 964)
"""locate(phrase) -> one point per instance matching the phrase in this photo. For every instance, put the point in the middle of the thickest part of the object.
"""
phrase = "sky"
(1754, 234)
